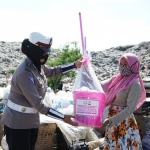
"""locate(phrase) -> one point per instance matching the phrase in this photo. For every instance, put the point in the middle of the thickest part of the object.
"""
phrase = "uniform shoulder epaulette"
(28, 67)
(34, 67)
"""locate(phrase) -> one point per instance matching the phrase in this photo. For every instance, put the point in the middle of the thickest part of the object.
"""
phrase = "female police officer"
(28, 88)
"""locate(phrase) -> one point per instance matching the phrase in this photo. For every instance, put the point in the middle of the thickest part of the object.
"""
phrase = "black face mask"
(45, 57)
(34, 52)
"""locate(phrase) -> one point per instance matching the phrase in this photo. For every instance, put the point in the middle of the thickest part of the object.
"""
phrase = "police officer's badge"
(31, 79)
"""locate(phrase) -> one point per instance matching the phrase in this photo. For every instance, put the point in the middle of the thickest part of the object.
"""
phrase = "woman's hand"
(68, 120)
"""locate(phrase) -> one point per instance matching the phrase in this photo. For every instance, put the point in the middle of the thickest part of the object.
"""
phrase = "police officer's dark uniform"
(28, 88)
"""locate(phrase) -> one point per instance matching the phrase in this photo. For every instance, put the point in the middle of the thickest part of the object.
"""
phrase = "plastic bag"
(146, 141)
(62, 100)
(72, 132)
(48, 99)
(2, 107)
(4, 143)
(89, 97)
(68, 110)
(2, 92)
(6, 94)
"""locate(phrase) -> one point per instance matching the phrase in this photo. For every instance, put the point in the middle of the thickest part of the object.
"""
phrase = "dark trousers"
(21, 139)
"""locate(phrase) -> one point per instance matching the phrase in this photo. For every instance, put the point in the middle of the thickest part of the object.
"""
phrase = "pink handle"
(85, 59)
(81, 33)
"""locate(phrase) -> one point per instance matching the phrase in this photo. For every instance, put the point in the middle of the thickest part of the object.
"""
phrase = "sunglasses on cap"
(45, 47)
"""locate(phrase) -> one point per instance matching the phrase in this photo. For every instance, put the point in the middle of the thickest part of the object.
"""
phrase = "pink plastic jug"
(89, 107)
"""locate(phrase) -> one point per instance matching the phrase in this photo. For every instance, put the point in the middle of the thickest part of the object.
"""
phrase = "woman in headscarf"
(124, 93)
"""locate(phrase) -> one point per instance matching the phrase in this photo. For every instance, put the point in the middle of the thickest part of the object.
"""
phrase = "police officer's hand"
(70, 121)
(78, 63)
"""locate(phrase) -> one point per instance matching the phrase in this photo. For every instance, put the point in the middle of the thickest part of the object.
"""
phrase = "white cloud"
(109, 32)
(17, 25)
(104, 33)
(112, 0)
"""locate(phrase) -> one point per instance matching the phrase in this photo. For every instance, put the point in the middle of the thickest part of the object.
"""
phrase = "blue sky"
(105, 23)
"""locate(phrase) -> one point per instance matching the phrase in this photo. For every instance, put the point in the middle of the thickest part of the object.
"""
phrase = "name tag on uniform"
(31, 79)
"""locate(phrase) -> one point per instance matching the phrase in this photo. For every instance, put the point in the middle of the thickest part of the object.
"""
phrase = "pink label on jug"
(87, 107)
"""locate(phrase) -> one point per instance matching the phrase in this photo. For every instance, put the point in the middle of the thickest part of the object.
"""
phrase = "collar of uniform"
(29, 61)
